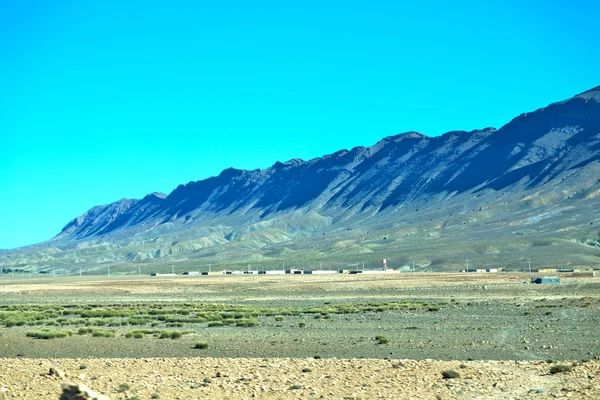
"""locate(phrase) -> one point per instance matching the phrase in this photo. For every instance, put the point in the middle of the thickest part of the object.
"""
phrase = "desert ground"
(302, 336)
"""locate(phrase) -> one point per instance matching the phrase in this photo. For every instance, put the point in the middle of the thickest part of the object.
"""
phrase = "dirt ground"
(226, 378)
(502, 335)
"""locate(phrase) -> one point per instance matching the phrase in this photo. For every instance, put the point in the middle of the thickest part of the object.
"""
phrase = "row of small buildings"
(280, 272)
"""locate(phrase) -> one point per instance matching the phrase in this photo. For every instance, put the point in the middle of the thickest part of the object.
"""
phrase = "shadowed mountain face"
(539, 161)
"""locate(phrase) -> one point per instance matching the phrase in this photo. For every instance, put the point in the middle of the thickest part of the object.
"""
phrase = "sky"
(103, 100)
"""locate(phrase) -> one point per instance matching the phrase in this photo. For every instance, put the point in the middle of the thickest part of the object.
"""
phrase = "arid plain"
(302, 336)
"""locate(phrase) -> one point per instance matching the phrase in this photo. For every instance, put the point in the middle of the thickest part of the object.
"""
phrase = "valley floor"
(353, 336)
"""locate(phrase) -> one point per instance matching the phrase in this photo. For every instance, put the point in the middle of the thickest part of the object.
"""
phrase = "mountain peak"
(156, 195)
(406, 135)
(593, 93)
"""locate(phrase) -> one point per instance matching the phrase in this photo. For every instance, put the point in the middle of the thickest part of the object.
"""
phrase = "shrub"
(201, 345)
(556, 369)
(48, 334)
(450, 374)
(173, 334)
(123, 387)
(247, 322)
(103, 333)
(302, 324)
(381, 339)
(279, 318)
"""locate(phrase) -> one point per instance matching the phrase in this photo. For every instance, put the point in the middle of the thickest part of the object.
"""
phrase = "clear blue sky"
(101, 100)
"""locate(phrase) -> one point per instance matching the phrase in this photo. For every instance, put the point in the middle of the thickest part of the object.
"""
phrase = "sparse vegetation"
(49, 334)
(201, 345)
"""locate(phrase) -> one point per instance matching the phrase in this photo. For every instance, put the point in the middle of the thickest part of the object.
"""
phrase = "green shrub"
(381, 339)
(201, 345)
(279, 318)
(250, 322)
(123, 387)
(302, 324)
(173, 334)
(48, 334)
(103, 333)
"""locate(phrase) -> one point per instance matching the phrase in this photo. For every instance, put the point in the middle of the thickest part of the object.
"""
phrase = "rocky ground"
(307, 378)
(502, 336)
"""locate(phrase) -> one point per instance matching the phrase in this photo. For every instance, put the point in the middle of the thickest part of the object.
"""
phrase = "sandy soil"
(212, 378)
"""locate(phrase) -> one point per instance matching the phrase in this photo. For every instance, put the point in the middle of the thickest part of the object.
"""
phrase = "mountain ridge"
(225, 188)
(540, 161)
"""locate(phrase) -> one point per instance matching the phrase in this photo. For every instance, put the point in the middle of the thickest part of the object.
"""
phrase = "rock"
(535, 391)
(79, 392)
(56, 372)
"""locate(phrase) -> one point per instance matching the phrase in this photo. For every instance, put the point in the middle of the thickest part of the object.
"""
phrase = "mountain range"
(494, 196)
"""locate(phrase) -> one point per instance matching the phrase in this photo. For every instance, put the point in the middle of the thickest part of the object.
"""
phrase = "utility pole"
(529, 261)
(80, 271)
(413, 260)
(467, 261)
(321, 266)
(173, 269)
(139, 270)
(108, 271)
(363, 266)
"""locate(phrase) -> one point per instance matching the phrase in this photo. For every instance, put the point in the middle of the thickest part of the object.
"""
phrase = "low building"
(545, 280)
(275, 272)
(378, 271)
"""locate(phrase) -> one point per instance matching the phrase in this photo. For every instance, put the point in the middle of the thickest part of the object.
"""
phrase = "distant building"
(545, 280)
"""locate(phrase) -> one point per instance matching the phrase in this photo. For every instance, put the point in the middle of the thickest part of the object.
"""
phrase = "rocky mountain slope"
(540, 170)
